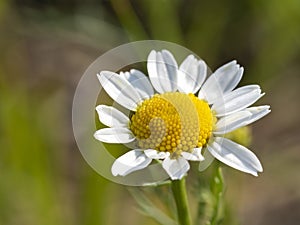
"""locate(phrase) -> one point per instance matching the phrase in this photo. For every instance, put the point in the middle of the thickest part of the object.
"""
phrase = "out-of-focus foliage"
(47, 45)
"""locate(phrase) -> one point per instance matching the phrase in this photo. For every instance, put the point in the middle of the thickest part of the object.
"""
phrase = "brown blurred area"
(45, 47)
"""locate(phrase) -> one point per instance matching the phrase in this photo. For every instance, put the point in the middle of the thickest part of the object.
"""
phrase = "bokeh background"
(45, 47)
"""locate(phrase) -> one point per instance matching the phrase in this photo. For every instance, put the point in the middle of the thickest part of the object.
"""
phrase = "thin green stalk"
(180, 196)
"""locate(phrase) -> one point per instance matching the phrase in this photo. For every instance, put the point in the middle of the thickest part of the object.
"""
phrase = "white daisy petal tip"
(140, 83)
(176, 168)
(105, 73)
(254, 174)
(241, 70)
(237, 100)
(99, 77)
(111, 117)
(119, 89)
(261, 107)
(123, 73)
(129, 162)
(259, 170)
(235, 156)
(191, 74)
(228, 64)
(233, 61)
(162, 69)
(152, 54)
(257, 112)
(222, 81)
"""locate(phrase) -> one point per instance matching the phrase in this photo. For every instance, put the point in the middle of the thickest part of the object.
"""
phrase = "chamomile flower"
(178, 114)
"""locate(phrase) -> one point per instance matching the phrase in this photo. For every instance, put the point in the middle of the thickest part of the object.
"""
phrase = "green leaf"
(148, 208)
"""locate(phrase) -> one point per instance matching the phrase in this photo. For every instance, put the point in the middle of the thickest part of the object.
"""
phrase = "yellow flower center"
(172, 122)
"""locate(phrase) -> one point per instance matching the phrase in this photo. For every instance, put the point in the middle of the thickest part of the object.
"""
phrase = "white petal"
(114, 135)
(240, 119)
(237, 100)
(229, 75)
(129, 162)
(257, 113)
(222, 81)
(140, 82)
(235, 155)
(112, 117)
(233, 121)
(176, 168)
(119, 89)
(208, 159)
(162, 69)
(191, 74)
(154, 154)
(193, 156)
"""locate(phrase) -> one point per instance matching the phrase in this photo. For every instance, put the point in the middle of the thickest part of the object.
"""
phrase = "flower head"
(173, 125)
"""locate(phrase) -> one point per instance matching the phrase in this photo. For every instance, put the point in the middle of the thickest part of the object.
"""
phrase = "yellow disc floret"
(172, 122)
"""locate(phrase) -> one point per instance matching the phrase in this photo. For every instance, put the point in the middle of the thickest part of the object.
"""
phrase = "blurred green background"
(45, 47)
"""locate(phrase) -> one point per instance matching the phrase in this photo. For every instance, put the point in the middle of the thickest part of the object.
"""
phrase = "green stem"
(180, 195)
